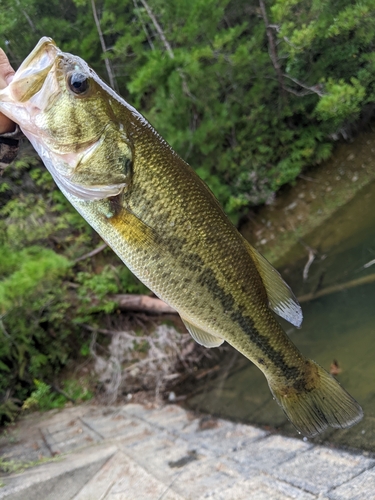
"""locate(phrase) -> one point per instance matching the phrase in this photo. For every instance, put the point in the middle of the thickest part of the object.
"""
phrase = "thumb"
(6, 70)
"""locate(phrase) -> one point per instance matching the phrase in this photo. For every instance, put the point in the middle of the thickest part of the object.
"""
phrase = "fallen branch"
(204, 373)
(63, 393)
(310, 260)
(369, 264)
(337, 288)
(306, 178)
(132, 302)
(92, 253)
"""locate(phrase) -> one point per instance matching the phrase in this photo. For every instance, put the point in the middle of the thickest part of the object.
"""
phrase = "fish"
(164, 223)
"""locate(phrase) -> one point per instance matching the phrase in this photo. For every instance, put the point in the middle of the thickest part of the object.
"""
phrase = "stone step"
(60, 479)
(121, 478)
(137, 452)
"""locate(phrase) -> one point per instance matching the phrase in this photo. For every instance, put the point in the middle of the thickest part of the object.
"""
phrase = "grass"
(16, 466)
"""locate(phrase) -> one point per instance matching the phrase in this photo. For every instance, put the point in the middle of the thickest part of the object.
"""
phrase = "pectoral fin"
(134, 231)
(202, 337)
(281, 298)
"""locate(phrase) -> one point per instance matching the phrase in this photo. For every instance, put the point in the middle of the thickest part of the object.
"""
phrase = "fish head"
(66, 111)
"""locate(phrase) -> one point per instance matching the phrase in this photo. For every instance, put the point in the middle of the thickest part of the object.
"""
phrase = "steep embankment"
(317, 195)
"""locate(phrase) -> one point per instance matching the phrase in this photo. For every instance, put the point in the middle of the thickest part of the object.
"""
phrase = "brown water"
(338, 326)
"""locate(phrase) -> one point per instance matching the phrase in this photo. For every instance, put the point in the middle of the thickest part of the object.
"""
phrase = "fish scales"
(221, 272)
(168, 228)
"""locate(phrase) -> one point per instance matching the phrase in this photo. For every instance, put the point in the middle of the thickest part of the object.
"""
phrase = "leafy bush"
(43, 398)
(45, 295)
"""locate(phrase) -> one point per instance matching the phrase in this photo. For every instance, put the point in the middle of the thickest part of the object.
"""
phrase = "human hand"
(6, 76)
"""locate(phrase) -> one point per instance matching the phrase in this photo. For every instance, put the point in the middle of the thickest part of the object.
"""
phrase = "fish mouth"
(23, 98)
(30, 76)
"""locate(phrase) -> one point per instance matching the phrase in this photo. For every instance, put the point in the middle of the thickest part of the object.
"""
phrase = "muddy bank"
(317, 194)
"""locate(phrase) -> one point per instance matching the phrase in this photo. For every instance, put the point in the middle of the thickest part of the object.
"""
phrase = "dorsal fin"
(202, 337)
(281, 298)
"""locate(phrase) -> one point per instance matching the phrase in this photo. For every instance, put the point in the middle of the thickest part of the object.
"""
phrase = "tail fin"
(326, 404)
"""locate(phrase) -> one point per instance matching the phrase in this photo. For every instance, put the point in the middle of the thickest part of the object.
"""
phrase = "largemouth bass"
(167, 227)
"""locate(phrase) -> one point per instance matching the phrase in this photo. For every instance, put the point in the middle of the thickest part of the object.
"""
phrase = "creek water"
(338, 329)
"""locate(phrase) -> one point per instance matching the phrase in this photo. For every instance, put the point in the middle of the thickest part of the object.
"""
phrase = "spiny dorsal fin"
(281, 298)
(202, 337)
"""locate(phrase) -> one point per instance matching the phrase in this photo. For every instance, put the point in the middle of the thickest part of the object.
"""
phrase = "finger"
(6, 76)
(6, 70)
(6, 125)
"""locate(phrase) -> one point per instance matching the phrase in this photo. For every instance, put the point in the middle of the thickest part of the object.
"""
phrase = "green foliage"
(44, 398)
(30, 271)
(8, 410)
(341, 101)
(40, 398)
(208, 83)
(94, 289)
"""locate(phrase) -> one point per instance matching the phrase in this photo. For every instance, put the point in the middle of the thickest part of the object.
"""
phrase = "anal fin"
(202, 337)
(281, 298)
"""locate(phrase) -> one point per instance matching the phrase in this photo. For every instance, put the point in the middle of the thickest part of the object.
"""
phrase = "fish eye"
(78, 83)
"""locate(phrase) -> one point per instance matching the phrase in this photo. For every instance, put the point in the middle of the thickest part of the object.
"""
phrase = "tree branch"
(133, 302)
(28, 18)
(168, 48)
(310, 260)
(111, 76)
(144, 27)
(158, 28)
(370, 278)
(315, 89)
(92, 253)
(272, 47)
(63, 393)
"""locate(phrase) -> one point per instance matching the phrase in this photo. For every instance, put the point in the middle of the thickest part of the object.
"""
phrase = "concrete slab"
(110, 482)
(143, 453)
(67, 438)
(359, 488)
(200, 479)
(62, 479)
(321, 469)
(137, 410)
(115, 426)
(260, 487)
(267, 453)
(29, 448)
(224, 437)
(162, 455)
(170, 417)
(123, 479)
